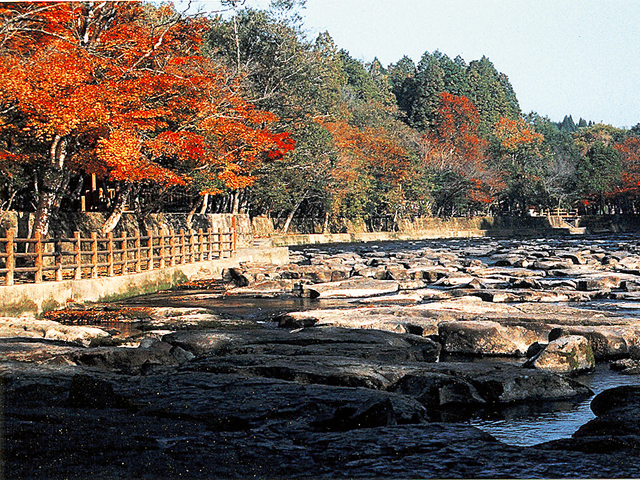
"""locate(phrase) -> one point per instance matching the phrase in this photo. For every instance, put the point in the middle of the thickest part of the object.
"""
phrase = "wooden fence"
(559, 212)
(36, 260)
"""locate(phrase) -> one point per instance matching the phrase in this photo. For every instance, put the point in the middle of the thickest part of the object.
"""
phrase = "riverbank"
(350, 361)
(417, 229)
(33, 298)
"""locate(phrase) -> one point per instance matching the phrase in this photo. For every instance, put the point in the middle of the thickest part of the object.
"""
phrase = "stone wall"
(425, 227)
(610, 223)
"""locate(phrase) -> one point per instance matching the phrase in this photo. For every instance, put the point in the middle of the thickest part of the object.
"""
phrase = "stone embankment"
(364, 379)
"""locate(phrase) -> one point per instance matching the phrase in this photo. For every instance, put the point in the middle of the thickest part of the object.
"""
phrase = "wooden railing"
(559, 212)
(38, 259)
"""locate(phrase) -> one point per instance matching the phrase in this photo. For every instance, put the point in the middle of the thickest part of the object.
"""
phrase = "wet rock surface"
(362, 381)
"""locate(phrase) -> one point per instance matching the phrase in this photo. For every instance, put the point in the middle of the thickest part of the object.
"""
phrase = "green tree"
(567, 124)
(598, 173)
(403, 84)
(561, 156)
(298, 80)
(430, 83)
(492, 94)
(517, 149)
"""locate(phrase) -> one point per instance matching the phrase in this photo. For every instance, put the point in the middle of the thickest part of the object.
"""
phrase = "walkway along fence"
(37, 260)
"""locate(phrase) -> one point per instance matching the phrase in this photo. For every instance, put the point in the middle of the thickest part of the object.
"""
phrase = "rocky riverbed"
(351, 361)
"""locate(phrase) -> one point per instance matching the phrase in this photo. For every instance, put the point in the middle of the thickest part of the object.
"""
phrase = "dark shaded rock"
(217, 399)
(503, 383)
(620, 398)
(627, 366)
(557, 332)
(132, 361)
(616, 428)
(438, 390)
(326, 341)
(535, 348)
(303, 369)
(89, 391)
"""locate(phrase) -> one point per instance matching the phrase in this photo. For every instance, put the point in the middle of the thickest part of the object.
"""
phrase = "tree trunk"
(236, 202)
(287, 223)
(54, 182)
(192, 212)
(205, 204)
(118, 208)
(325, 227)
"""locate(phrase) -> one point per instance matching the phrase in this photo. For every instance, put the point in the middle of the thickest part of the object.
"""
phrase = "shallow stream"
(530, 425)
(522, 425)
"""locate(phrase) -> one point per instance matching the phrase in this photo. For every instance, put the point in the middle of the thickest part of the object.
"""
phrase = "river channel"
(517, 425)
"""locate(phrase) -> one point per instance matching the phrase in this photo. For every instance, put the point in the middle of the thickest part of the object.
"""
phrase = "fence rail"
(559, 212)
(38, 259)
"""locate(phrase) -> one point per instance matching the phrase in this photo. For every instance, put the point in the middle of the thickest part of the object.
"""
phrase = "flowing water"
(527, 425)
(517, 425)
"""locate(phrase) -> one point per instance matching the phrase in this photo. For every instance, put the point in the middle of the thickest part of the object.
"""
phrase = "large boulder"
(567, 354)
(486, 338)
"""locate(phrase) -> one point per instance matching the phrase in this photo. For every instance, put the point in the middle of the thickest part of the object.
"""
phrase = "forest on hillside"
(161, 110)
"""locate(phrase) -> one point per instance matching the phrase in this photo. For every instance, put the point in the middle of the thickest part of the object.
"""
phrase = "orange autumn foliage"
(453, 144)
(125, 87)
(367, 157)
(629, 151)
(515, 135)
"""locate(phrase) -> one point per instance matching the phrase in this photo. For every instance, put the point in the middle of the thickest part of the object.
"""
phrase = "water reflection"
(527, 425)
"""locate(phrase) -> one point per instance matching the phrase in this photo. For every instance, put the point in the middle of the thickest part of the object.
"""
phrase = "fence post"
(183, 256)
(94, 255)
(110, 253)
(191, 245)
(172, 247)
(137, 252)
(200, 245)
(11, 258)
(219, 242)
(161, 248)
(209, 245)
(234, 235)
(77, 252)
(125, 253)
(38, 256)
(58, 260)
(149, 250)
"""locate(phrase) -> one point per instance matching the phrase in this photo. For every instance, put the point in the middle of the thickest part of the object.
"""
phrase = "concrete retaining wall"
(36, 298)
(610, 223)
(423, 228)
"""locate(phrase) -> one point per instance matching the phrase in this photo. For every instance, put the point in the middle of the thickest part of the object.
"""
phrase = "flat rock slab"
(353, 288)
(401, 319)
(32, 328)
(327, 341)
(36, 350)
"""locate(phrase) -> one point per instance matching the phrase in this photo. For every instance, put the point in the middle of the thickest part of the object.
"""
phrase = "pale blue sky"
(578, 57)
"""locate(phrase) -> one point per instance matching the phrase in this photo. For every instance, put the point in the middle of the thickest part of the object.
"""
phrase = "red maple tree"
(629, 151)
(453, 145)
(121, 90)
